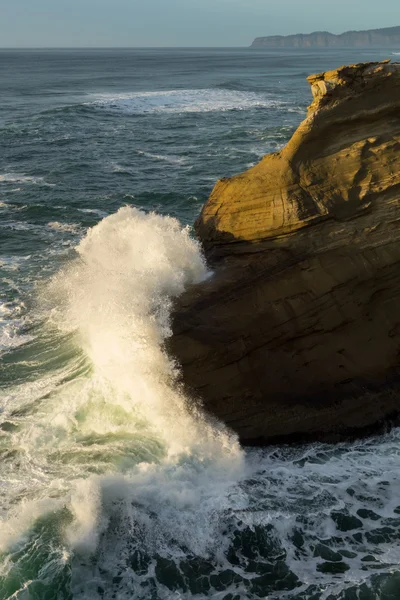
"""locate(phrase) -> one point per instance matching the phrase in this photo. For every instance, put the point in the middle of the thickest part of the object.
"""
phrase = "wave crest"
(186, 101)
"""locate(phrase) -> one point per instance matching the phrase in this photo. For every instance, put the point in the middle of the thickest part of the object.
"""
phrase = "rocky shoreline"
(297, 334)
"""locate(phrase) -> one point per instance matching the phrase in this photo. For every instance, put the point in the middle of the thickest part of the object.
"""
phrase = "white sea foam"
(94, 211)
(307, 486)
(128, 420)
(67, 227)
(22, 178)
(17, 526)
(119, 298)
(11, 325)
(187, 101)
(10, 338)
(9, 263)
(44, 229)
(117, 168)
(19, 225)
(169, 158)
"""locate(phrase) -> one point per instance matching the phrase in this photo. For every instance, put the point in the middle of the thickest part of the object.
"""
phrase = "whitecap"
(94, 211)
(170, 158)
(22, 178)
(65, 227)
(117, 168)
(19, 225)
(186, 101)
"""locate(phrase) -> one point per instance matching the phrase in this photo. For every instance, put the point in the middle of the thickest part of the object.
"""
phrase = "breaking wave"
(186, 101)
(110, 435)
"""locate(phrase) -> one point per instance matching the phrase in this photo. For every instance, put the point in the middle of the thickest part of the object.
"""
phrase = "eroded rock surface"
(297, 334)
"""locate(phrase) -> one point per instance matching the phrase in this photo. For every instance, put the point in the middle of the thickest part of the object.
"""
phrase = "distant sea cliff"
(390, 36)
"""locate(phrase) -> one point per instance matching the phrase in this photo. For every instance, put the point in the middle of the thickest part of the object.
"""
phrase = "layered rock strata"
(297, 333)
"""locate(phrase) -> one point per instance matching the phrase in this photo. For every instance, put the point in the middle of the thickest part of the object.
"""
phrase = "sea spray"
(106, 449)
(118, 296)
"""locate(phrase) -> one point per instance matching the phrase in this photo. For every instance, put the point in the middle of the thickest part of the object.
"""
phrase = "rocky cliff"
(297, 334)
(389, 36)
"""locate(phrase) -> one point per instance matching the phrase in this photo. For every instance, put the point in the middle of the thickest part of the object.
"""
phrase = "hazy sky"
(41, 23)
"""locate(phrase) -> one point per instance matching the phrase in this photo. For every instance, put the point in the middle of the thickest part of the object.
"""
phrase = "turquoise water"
(112, 485)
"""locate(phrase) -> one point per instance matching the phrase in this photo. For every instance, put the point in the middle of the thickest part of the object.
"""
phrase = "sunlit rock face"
(297, 333)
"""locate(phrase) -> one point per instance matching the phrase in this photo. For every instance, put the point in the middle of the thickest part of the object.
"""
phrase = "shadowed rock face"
(297, 334)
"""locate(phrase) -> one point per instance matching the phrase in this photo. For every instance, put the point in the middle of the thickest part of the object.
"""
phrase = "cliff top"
(330, 87)
(341, 159)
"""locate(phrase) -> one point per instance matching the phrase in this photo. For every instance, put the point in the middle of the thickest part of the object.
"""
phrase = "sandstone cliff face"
(389, 36)
(297, 334)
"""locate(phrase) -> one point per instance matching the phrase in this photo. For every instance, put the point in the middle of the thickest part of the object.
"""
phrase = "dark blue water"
(109, 486)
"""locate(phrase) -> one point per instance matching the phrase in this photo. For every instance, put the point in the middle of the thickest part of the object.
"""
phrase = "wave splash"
(118, 296)
(112, 446)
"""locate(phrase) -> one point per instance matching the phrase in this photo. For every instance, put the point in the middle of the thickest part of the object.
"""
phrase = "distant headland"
(388, 36)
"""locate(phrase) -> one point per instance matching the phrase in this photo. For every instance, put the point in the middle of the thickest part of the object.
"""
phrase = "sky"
(161, 23)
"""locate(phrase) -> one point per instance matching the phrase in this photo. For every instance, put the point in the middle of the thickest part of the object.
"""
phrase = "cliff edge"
(297, 334)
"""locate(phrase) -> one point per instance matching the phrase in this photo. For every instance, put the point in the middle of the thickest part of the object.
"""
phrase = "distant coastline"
(389, 36)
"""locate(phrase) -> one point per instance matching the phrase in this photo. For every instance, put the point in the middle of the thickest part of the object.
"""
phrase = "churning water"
(113, 484)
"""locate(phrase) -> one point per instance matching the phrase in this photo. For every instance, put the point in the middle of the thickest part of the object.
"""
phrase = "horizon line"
(249, 47)
(113, 47)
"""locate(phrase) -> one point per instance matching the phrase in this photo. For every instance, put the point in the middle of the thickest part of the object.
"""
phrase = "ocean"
(112, 484)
